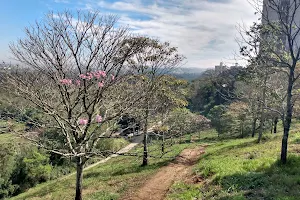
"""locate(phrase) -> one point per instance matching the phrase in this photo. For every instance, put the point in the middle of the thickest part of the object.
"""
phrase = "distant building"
(236, 66)
(220, 68)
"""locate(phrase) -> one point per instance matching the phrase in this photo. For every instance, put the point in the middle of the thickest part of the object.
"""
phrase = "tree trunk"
(242, 129)
(145, 154)
(79, 176)
(262, 114)
(163, 144)
(145, 142)
(287, 118)
(261, 128)
(272, 125)
(275, 125)
(254, 127)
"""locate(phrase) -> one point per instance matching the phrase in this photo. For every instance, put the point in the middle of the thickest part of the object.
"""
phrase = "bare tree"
(77, 72)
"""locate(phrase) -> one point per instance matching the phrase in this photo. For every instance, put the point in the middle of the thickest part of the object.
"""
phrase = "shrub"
(32, 167)
(7, 166)
(232, 120)
(37, 167)
(181, 121)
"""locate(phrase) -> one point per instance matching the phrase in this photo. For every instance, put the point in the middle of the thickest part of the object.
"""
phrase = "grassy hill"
(233, 169)
(110, 180)
(241, 169)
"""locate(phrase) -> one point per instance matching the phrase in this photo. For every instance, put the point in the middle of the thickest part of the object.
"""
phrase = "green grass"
(232, 169)
(6, 136)
(13, 125)
(110, 180)
(239, 169)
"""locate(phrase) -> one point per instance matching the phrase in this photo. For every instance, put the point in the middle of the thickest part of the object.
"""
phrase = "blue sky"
(203, 30)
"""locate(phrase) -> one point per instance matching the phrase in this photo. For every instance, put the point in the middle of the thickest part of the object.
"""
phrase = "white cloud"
(203, 30)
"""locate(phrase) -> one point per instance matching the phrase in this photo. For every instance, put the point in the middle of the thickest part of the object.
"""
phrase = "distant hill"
(188, 73)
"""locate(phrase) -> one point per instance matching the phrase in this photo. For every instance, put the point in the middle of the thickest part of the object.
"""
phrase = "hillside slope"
(241, 169)
(230, 169)
(110, 180)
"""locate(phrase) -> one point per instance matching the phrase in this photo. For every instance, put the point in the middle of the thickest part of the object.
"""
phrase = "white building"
(220, 68)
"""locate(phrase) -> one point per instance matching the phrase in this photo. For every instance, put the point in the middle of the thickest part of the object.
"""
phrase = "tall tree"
(77, 72)
(153, 62)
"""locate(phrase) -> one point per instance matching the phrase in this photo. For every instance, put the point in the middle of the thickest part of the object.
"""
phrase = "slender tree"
(154, 62)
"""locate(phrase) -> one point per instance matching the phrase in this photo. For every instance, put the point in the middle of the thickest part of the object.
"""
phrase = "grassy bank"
(240, 169)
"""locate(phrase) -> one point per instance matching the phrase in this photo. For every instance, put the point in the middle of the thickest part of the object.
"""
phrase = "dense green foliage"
(213, 89)
(7, 167)
(182, 121)
(23, 165)
(216, 115)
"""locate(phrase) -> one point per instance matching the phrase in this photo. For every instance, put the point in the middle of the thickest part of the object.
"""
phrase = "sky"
(205, 31)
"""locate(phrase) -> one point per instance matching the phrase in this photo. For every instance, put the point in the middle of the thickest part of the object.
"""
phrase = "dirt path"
(157, 186)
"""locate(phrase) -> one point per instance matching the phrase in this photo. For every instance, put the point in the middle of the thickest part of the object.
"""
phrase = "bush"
(232, 120)
(32, 167)
(23, 166)
(7, 166)
(218, 119)
(37, 167)
(181, 121)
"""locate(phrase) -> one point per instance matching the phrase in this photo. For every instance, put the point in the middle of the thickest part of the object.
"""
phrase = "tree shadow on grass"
(45, 189)
(207, 140)
(276, 182)
(230, 147)
(131, 169)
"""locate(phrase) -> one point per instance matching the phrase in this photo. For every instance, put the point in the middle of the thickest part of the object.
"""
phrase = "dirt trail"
(158, 185)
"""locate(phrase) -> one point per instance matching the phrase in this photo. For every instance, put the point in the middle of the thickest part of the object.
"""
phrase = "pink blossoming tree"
(78, 70)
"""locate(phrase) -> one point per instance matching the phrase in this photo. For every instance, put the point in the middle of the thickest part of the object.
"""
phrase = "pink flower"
(98, 119)
(83, 76)
(66, 81)
(83, 121)
(112, 77)
(78, 82)
(102, 73)
(100, 84)
(89, 75)
(97, 75)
